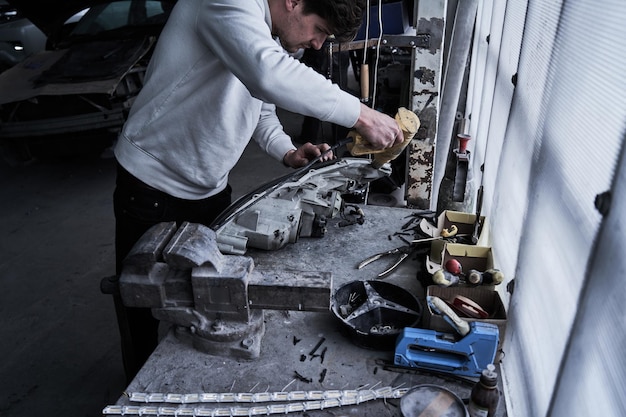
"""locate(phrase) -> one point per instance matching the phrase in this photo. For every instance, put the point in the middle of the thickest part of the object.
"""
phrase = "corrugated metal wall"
(547, 100)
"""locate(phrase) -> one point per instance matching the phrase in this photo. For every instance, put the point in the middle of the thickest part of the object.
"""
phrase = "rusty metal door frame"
(427, 65)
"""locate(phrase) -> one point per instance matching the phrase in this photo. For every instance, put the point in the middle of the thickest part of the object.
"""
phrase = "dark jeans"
(138, 207)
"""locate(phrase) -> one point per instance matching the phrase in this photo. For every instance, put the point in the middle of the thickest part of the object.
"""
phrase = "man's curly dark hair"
(344, 17)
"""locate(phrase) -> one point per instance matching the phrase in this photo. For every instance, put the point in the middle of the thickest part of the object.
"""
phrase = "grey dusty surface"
(59, 337)
(177, 368)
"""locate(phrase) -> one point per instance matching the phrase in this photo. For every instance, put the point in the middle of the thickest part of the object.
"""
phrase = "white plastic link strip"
(331, 399)
(262, 397)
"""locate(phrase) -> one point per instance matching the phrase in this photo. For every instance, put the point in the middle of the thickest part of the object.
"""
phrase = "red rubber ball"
(453, 266)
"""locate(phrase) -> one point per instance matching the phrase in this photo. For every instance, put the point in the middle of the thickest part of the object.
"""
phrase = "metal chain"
(309, 401)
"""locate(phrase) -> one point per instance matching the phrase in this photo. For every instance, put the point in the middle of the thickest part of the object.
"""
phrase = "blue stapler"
(465, 354)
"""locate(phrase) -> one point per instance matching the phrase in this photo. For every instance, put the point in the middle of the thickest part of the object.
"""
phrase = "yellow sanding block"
(408, 122)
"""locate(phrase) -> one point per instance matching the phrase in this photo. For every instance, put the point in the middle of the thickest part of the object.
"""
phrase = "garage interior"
(536, 86)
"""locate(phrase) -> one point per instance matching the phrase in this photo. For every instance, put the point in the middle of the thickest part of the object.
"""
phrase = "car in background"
(19, 37)
(75, 96)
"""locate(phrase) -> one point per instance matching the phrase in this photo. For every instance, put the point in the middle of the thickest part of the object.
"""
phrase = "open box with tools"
(486, 298)
(463, 221)
(479, 258)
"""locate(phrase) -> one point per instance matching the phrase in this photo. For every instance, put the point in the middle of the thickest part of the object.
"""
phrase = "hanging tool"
(478, 224)
(364, 79)
(462, 167)
(365, 82)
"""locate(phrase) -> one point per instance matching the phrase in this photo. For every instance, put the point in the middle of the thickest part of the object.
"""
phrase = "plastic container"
(374, 313)
(485, 396)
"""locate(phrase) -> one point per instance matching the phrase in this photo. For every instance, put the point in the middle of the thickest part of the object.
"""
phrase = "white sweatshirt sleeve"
(269, 133)
(232, 31)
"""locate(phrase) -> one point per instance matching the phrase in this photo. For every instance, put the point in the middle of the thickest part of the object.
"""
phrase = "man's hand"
(306, 153)
(379, 129)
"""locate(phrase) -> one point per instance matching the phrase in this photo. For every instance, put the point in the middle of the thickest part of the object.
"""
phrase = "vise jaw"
(215, 301)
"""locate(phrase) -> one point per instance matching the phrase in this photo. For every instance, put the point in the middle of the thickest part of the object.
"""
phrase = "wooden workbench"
(175, 367)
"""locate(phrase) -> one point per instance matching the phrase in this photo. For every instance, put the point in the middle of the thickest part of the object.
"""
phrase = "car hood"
(63, 71)
(47, 14)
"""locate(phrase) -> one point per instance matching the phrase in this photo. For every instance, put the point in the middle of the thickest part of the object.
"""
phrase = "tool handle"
(333, 148)
(365, 83)
(370, 260)
(394, 266)
(479, 202)
(478, 223)
(377, 256)
(440, 307)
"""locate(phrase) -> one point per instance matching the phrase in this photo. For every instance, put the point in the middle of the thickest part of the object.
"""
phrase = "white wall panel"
(587, 108)
(553, 143)
(509, 184)
(490, 113)
(593, 380)
(512, 190)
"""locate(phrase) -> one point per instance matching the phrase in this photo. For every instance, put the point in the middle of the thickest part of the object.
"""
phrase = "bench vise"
(214, 300)
(465, 354)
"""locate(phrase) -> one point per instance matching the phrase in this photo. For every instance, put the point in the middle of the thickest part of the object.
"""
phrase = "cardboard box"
(463, 221)
(488, 299)
(470, 256)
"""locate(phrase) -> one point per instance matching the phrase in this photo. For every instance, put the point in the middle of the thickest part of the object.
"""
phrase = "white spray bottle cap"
(490, 373)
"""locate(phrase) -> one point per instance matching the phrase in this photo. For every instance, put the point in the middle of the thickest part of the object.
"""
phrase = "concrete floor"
(60, 343)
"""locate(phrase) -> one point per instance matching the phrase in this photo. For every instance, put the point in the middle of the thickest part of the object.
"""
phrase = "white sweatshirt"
(212, 84)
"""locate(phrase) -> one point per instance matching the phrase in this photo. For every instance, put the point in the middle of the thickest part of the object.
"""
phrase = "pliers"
(404, 252)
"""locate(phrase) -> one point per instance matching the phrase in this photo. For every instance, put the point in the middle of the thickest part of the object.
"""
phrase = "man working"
(214, 80)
